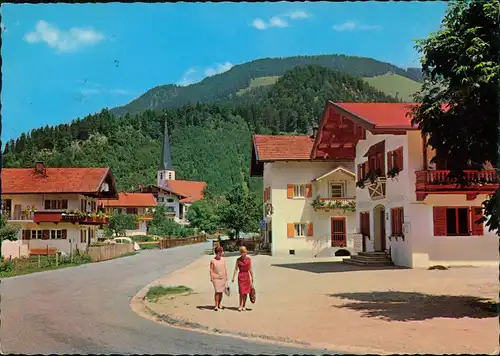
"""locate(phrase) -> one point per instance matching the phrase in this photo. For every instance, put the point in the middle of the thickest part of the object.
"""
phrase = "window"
(170, 200)
(300, 229)
(169, 175)
(299, 191)
(36, 234)
(397, 217)
(337, 190)
(83, 236)
(55, 234)
(61, 204)
(457, 221)
(161, 175)
(161, 199)
(395, 159)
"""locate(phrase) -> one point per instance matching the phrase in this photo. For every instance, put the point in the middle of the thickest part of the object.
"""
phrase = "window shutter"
(45, 234)
(476, 214)
(65, 204)
(439, 221)
(47, 205)
(308, 190)
(389, 161)
(290, 230)
(64, 234)
(289, 191)
(399, 158)
(310, 229)
(393, 221)
(26, 234)
(381, 165)
(359, 172)
(265, 195)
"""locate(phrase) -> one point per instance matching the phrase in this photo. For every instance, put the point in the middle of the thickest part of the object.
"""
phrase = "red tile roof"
(191, 190)
(383, 114)
(132, 200)
(55, 180)
(276, 148)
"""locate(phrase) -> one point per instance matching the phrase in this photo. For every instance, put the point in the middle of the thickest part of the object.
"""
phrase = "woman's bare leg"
(220, 300)
(243, 300)
(216, 297)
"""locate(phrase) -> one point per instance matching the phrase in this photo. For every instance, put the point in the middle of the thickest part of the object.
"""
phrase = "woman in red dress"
(245, 276)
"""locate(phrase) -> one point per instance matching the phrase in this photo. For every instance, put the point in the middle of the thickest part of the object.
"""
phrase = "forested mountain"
(210, 142)
(224, 86)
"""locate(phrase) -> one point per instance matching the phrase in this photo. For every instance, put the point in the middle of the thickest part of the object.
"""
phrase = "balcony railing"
(486, 180)
(71, 217)
(476, 182)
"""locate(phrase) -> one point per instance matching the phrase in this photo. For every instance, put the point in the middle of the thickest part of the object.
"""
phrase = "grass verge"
(149, 246)
(156, 292)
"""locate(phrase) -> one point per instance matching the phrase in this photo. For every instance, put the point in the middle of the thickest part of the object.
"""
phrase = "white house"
(140, 204)
(309, 204)
(176, 195)
(55, 207)
(406, 205)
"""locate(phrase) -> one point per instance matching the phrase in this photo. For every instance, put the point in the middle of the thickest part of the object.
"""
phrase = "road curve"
(85, 310)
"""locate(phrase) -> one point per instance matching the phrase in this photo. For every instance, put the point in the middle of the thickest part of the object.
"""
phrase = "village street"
(85, 310)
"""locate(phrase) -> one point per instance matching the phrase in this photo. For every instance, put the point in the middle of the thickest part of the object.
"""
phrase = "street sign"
(262, 224)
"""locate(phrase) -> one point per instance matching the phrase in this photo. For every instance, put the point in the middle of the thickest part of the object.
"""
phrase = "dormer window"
(161, 175)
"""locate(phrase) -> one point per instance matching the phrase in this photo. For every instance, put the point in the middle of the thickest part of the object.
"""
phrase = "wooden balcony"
(439, 182)
(145, 217)
(327, 204)
(74, 218)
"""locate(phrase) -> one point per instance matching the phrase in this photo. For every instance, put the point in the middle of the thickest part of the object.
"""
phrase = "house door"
(338, 232)
(379, 228)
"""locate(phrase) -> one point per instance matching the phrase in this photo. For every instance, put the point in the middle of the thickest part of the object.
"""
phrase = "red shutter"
(399, 158)
(359, 172)
(310, 229)
(439, 221)
(389, 161)
(64, 234)
(290, 230)
(476, 214)
(45, 234)
(368, 167)
(393, 222)
(26, 234)
(381, 164)
(308, 190)
(289, 191)
(65, 204)
(47, 205)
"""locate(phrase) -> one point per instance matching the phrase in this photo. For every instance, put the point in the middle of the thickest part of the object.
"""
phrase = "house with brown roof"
(407, 206)
(55, 207)
(309, 203)
(140, 204)
(176, 195)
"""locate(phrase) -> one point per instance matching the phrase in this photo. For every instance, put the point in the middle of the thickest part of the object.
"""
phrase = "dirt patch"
(358, 310)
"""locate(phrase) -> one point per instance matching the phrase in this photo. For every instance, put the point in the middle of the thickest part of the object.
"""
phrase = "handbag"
(227, 290)
(252, 295)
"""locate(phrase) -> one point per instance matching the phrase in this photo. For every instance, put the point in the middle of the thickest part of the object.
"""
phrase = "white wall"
(174, 204)
(278, 175)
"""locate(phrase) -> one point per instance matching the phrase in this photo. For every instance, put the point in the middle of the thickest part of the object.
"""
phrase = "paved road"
(85, 309)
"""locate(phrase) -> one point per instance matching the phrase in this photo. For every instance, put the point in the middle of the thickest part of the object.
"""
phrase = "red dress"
(244, 283)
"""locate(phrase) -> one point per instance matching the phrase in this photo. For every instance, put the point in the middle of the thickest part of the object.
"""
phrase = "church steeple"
(166, 171)
(166, 163)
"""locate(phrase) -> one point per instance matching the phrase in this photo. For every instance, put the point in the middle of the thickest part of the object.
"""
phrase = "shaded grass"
(156, 292)
(393, 84)
(149, 246)
(259, 82)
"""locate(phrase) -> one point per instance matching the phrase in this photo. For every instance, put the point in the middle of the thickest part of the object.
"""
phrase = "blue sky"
(63, 61)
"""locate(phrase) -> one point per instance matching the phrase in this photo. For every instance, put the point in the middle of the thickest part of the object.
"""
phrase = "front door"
(338, 232)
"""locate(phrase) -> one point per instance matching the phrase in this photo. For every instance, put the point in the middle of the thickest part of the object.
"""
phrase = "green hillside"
(226, 85)
(210, 142)
(258, 82)
(395, 85)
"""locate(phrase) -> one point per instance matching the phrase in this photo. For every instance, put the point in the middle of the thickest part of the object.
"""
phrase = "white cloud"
(279, 21)
(194, 75)
(219, 68)
(299, 14)
(63, 40)
(354, 26)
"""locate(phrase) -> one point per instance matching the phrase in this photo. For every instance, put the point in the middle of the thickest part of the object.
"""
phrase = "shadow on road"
(332, 267)
(412, 306)
(211, 308)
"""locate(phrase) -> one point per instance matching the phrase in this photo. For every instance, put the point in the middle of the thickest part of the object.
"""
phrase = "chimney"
(315, 131)
(40, 168)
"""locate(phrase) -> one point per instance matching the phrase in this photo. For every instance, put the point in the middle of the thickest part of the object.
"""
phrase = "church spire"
(166, 164)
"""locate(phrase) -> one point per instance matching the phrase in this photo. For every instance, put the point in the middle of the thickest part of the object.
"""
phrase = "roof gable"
(282, 148)
(337, 169)
(190, 191)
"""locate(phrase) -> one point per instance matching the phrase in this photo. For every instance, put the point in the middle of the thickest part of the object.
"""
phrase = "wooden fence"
(168, 243)
(103, 253)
